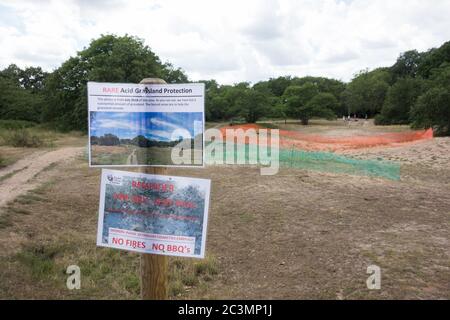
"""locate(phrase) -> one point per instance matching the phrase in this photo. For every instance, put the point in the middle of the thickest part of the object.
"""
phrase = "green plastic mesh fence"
(317, 161)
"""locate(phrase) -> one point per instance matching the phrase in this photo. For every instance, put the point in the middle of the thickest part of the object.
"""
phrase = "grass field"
(158, 155)
(154, 155)
(110, 155)
(46, 140)
(128, 154)
(296, 235)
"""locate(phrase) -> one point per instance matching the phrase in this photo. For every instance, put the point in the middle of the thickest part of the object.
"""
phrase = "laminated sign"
(153, 214)
(146, 124)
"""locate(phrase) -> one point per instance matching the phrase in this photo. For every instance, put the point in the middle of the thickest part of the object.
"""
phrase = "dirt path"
(17, 178)
(132, 158)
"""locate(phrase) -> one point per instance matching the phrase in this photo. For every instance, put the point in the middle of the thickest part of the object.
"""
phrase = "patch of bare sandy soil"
(433, 153)
(17, 178)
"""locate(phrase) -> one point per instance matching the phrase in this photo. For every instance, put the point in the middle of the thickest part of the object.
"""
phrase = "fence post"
(154, 268)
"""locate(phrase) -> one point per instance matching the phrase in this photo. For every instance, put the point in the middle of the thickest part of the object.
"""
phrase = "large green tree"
(21, 93)
(277, 86)
(407, 64)
(441, 76)
(107, 59)
(399, 100)
(433, 59)
(17, 103)
(305, 102)
(252, 105)
(366, 93)
(432, 110)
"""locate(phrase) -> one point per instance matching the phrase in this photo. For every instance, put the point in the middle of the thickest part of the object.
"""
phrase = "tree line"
(110, 139)
(415, 90)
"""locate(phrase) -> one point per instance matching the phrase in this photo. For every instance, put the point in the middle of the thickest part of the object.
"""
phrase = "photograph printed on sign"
(153, 214)
(146, 125)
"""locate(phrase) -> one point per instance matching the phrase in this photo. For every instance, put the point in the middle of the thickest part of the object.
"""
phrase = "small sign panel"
(153, 213)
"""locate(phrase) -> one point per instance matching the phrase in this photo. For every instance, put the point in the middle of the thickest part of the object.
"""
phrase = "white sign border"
(143, 165)
(101, 210)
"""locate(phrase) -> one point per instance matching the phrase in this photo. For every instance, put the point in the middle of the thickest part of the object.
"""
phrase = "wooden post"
(154, 268)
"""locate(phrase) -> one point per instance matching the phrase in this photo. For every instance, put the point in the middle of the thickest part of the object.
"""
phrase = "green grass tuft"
(39, 260)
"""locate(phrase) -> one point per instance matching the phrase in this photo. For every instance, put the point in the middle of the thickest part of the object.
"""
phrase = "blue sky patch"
(161, 126)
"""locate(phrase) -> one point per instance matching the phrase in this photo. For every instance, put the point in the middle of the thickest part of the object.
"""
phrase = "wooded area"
(415, 90)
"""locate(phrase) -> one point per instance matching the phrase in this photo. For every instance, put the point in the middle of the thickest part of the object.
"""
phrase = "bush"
(432, 110)
(400, 97)
(381, 120)
(23, 138)
(16, 124)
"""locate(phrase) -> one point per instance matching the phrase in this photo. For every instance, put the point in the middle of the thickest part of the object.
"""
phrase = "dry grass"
(191, 274)
(295, 235)
(10, 155)
(110, 149)
(110, 155)
(54, 226)
(16, 144)
(336, 128)
(44, 138)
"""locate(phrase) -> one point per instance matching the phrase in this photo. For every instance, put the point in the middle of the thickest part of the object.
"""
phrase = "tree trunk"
(305, 122)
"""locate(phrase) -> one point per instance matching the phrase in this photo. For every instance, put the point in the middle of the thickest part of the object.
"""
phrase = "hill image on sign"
(146, 124)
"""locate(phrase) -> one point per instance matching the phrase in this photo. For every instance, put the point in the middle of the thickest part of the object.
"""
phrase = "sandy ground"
(430, 153)
(304, 235)
(23, 171)
(336, 136)
(296, 235)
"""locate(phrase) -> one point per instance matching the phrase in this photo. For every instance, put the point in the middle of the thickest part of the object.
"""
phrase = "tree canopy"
(107, 59)
(413, 90)
(366, 93)
(399, 100)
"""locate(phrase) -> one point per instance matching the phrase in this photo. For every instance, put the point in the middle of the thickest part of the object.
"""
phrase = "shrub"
(380, 120)
(432, 110)
(16, 124)
(23, 138)
(400, 97)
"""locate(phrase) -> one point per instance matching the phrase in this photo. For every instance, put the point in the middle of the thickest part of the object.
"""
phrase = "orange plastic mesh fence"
(315, 152)
(313, 142)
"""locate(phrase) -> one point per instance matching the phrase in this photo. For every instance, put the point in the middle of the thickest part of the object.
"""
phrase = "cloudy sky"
(154, 125)
(230, 41)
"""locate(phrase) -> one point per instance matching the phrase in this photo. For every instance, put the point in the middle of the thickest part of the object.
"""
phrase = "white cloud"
(170, 135)
(230, 41)
(161, 134)
(116, 124)
(166, 124)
